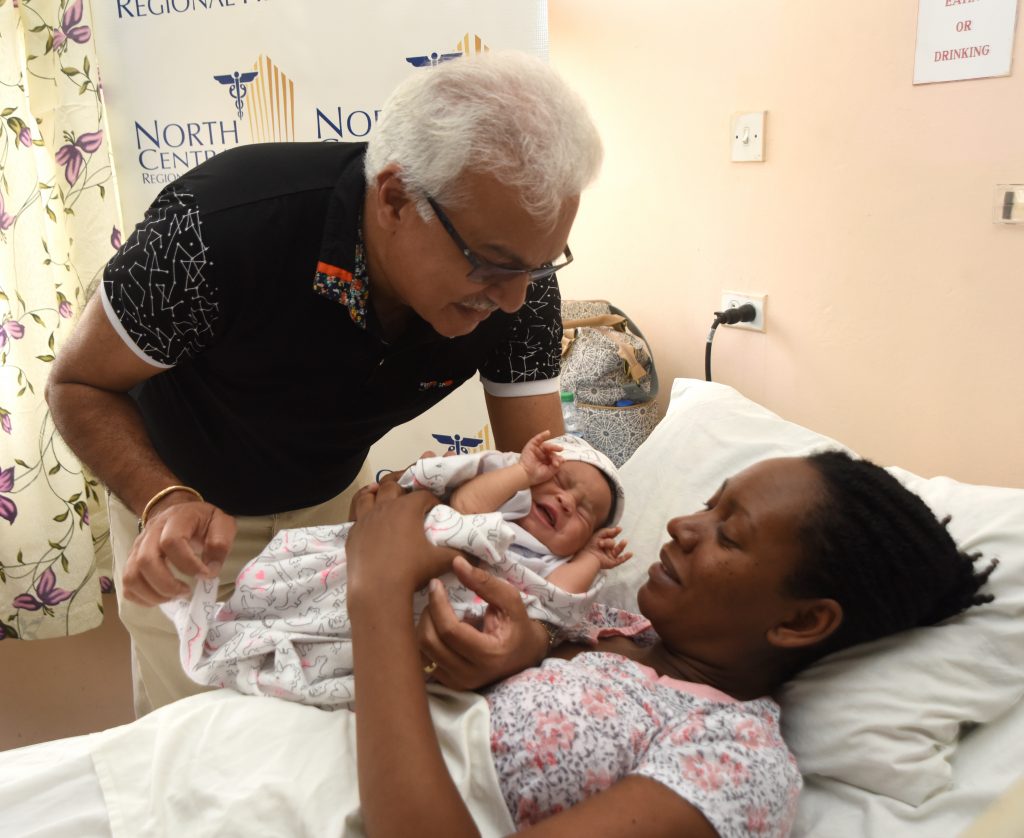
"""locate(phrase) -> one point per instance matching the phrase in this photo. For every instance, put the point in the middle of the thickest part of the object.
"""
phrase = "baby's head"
(584, 495)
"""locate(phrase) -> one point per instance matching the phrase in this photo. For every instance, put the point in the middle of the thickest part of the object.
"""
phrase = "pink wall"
(874, 193)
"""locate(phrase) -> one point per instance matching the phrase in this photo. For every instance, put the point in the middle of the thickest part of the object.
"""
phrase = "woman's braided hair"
(877, 549)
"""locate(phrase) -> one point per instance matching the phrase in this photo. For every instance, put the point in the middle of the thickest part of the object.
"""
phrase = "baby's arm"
(601, 553)
(486, 492)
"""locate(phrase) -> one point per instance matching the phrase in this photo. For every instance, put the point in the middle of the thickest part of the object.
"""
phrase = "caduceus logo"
(456, 443)
(238, 89)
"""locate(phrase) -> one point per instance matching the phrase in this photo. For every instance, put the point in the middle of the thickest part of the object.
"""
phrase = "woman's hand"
(384, 476)
(387, 551)
(368, 489)
(468, 657)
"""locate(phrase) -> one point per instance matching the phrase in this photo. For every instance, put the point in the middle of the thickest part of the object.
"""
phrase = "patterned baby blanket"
(285, 630)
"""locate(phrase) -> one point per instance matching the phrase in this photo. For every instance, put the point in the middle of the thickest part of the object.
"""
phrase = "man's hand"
(468, 657)
(192, 537)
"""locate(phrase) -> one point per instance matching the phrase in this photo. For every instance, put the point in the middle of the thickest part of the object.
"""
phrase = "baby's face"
(568, 508)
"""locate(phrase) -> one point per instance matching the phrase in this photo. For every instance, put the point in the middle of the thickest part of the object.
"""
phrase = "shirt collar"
(341, 275)
(349, 288)
(341, 269)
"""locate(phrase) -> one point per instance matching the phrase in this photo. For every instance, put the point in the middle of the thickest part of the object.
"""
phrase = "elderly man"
(281, 307)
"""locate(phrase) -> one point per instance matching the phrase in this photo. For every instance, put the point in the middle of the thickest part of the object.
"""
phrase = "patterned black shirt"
(245, 281)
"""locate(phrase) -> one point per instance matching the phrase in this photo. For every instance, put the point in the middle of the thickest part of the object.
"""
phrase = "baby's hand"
(540, 460)
(609, 551)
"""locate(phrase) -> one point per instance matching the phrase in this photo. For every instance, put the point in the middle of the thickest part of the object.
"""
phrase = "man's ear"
(808, 623)
(390, 197)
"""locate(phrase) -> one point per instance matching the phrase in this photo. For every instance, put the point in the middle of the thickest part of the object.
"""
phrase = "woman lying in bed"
(791, 559)
(654, 726)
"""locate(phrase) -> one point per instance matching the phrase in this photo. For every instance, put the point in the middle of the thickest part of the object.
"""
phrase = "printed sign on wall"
(964, 39)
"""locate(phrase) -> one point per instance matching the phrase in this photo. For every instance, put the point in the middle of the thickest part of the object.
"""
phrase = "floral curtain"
(59, 223)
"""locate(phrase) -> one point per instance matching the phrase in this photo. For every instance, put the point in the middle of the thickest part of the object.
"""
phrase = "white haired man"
(282, 306)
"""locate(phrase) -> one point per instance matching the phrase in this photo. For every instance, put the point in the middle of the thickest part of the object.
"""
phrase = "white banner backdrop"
(186, 79)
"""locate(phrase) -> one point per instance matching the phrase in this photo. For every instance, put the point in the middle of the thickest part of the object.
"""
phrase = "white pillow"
(885, 716)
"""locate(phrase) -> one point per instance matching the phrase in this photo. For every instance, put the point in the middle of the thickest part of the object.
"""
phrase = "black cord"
(741, 314)
(707, 348)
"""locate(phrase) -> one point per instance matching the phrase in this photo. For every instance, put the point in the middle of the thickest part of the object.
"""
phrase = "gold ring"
(429, 668)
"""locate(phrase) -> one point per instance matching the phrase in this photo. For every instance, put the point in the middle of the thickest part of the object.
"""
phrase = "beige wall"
(65, 686)
(874, 193)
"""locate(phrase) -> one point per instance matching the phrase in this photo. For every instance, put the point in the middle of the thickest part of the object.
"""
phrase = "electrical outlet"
(732, 299)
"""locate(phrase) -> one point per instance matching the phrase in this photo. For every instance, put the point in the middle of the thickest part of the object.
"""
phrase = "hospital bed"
(914, 736)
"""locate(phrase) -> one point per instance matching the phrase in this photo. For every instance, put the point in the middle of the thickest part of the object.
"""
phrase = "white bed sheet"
(54, 792)
(202, 768)
(986, 764)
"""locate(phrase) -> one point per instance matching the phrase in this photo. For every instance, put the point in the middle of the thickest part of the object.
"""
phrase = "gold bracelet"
(159, 496)
(552, 632)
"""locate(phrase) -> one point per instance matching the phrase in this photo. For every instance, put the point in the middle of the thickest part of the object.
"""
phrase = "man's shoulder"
(267, 171)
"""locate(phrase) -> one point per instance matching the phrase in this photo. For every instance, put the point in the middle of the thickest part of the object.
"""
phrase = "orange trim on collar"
(333, 270)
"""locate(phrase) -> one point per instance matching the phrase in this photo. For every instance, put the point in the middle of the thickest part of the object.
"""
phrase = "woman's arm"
(403, 779)
(636, 807)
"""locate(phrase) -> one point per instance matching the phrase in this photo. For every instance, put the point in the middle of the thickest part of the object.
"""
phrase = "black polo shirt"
(245, 282)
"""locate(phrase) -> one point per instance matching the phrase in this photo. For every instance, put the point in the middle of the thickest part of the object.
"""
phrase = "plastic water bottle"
(571, 416)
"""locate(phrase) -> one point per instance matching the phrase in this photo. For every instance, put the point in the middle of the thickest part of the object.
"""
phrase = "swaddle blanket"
(285, 630)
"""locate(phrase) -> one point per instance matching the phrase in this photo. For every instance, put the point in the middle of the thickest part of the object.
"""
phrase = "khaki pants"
(157, 676)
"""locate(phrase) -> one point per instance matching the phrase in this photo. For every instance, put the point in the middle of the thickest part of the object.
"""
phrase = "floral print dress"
(568, 729)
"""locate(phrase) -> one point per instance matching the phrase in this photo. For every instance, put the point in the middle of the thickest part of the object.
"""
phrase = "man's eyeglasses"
(482, 270)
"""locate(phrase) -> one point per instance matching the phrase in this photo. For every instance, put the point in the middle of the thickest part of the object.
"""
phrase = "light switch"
(748, 137)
